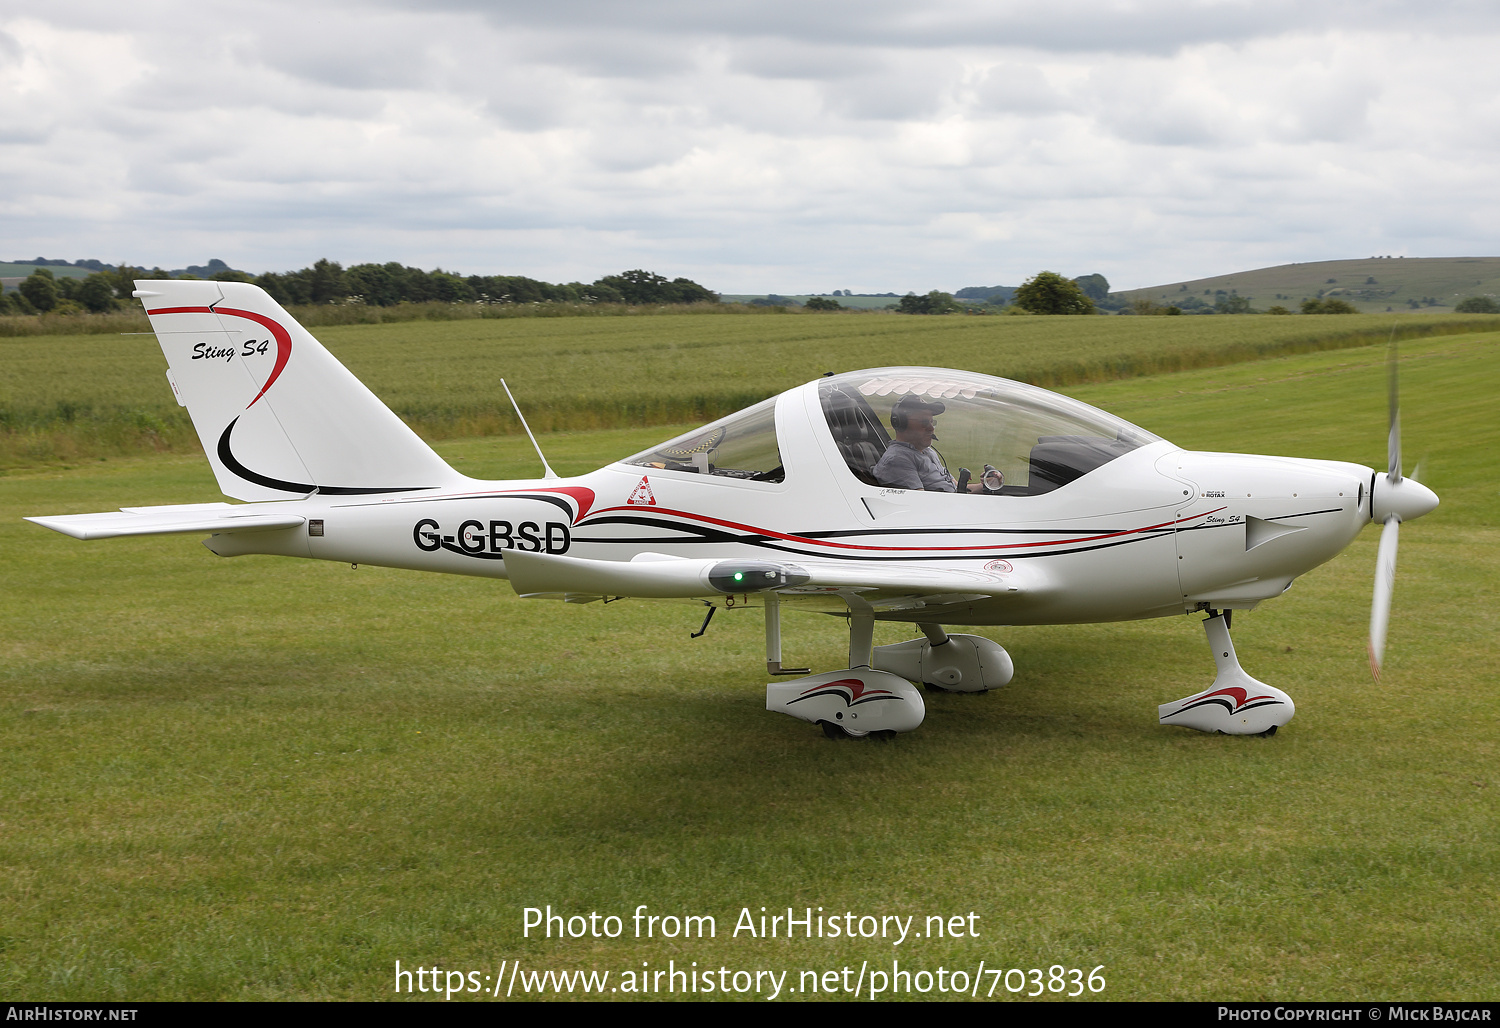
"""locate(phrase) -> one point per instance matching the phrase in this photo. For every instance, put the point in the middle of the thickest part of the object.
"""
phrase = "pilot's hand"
(993, 478)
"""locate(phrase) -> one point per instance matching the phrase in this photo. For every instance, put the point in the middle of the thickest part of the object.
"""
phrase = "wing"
(189, 517)
(878, 584)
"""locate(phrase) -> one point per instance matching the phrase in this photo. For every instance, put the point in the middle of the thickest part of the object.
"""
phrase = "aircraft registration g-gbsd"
(1089, 519)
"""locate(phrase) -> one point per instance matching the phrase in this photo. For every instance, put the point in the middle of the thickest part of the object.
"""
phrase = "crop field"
(66, 399)
(261, 778)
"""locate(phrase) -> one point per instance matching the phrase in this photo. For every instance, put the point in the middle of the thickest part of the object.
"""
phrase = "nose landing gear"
(1235, 704)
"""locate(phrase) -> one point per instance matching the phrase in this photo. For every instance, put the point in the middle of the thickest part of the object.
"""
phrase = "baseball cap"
(911, 403)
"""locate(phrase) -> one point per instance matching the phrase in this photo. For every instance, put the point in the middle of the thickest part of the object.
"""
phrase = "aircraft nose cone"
(1405, 499)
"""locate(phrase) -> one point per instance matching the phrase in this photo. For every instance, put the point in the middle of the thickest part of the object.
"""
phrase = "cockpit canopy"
(1038, 439)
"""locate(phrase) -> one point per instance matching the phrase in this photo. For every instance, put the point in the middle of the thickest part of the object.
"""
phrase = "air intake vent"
(1258, 531)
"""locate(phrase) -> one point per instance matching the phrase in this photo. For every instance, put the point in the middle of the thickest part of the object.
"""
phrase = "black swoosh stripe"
(227, 456)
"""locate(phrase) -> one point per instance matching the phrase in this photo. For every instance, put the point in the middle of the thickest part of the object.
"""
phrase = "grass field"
(264, 778)
(68, 399)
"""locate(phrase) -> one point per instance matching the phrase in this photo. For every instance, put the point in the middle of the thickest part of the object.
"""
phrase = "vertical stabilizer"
(278, 415)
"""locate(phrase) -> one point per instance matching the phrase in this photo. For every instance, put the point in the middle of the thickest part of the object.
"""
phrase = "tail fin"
(278, 415)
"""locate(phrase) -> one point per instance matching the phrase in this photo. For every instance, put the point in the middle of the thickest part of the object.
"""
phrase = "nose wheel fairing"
(1235, 704)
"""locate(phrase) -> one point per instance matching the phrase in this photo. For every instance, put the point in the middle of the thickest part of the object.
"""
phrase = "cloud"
(877, 145)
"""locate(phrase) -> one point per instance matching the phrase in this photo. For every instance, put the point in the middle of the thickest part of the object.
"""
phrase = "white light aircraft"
(1079, 516)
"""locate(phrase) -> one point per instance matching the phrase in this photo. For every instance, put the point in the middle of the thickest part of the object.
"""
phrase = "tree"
(934, 302)
(40, 290)
(1095, 287)
(1234, 303)
(1330, 305)
(998, 296)
(327, 281)
(822, 303)
(287, 290)
(685, 290)
(96, 293)
(123, 279)
(1047, 292)
(638, 286)
(1477, 305)
(645, 287)
(19, 304)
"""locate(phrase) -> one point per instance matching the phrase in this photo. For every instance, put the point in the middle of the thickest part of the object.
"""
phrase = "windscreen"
(740, 446)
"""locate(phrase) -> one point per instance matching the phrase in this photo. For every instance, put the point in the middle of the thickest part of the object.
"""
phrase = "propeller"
(1393, 499)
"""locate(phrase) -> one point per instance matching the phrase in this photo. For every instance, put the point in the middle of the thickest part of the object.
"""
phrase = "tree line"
(382, 285)
(387, 285)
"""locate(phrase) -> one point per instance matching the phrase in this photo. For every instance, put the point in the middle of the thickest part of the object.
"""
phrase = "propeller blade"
(1385, 583)
(1393, 445)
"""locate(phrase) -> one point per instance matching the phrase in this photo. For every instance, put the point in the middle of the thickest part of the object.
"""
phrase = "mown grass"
(263, 778)
(70, 399)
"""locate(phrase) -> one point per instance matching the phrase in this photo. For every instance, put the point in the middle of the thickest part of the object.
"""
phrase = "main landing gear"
(875, 695)
(1235, 704)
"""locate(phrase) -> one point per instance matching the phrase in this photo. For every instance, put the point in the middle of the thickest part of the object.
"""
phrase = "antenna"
(547, 471)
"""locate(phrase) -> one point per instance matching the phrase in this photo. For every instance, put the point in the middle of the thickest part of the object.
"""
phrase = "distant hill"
(1373, 284)
(12, 272)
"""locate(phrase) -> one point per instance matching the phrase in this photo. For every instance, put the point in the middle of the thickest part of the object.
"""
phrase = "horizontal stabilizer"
(217, 518)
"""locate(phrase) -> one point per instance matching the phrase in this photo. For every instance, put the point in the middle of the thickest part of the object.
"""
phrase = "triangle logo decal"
(641, 496)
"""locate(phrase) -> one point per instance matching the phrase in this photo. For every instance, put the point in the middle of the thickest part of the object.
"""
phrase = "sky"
(771, 146)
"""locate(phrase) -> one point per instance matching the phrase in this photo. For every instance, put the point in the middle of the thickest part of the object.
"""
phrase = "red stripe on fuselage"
(988, 547)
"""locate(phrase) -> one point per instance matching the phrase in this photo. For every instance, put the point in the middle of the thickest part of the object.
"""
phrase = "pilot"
(910, 462)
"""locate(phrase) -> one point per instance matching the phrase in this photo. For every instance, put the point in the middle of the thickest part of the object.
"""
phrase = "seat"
(860, 437)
